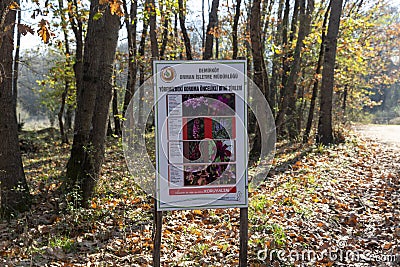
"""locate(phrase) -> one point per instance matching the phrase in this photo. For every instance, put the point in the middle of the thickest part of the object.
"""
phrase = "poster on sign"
(201, 135)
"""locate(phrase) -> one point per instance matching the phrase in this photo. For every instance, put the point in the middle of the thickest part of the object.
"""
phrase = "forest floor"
(319, 206)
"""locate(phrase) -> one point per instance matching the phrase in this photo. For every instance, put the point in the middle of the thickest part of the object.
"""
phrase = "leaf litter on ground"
(319, 206)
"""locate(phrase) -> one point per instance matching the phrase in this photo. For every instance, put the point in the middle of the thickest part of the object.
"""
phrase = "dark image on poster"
(218, 174)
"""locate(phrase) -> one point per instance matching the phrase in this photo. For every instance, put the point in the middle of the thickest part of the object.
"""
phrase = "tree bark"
(116, 115)
(260, 74)
(212, 24)
(277, 61)
(316, 78)
(153, 33)
(16, 61)
(77, 28)
(14, 192)
(64, 95)
(186, 39)
(289, 99)
(131, 28)
(235, 29)
(94, 95)
(325, 132)
(166, 19)
(203, 26)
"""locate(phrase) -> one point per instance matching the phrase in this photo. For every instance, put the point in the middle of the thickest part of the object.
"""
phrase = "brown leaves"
(116, 6)
(345, 193)
(13, 6)
(25, 29)
(44, 31)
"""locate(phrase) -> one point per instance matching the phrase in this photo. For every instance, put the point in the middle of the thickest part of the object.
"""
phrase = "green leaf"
(97, 16)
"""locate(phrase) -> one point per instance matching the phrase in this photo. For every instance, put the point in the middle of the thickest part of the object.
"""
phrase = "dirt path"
(385, 134)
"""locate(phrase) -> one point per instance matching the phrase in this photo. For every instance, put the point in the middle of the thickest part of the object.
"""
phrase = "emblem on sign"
(168, 74)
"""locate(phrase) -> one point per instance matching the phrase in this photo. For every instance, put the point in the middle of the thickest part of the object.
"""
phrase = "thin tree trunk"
(260, 75)
(285, 42)
(64, 137)
(153, 33)
(68, 117)
(131, 26)
(176, 36)
(212, 24)
(64, 95)
(116, 115)
(166, 21)
(77, 28)
(325, 132)
(316, 78)
(217, 41)
(203, 19)
(300, 109)
(185, 35)
(93, 101)
(14, 192)
(235, 29)
(16, 61)
(109, 128)
(142, 70)
(277, 62)
(289, 99)
(344, 103)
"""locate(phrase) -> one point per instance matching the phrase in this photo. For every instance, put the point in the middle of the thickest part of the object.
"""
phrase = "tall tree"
(260, 72)
(260, 76)
(316, 78)
(277, 59)
(14, 192)
(131, 28)
(211, 27)
(325, 133)
(166, 19)
(185, 35)
(93, 99)
(289, 99)
(235, 29)
(153, 32)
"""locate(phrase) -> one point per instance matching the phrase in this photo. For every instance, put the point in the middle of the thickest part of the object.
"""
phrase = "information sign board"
(201, 135)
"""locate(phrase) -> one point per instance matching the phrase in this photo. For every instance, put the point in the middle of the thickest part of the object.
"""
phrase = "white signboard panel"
(201, 136)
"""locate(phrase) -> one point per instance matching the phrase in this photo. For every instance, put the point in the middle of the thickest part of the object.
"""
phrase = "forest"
(328, 70)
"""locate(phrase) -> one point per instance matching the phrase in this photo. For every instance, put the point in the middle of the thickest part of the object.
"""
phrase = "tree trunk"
(131, 26)
(116, 115)
(325, 132)
(289, 99)
(260, 74)
(316, 78)
(68, 117)
(94, 95)
(235, 29)
(166, 20)
(285, 41)
(64, 95)
(153, 32)
(64, 136)
(212, 24)
(203, 26)
(77, 28)
(16, 61)
(277, 62)
(185, 35)
(14, 192)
